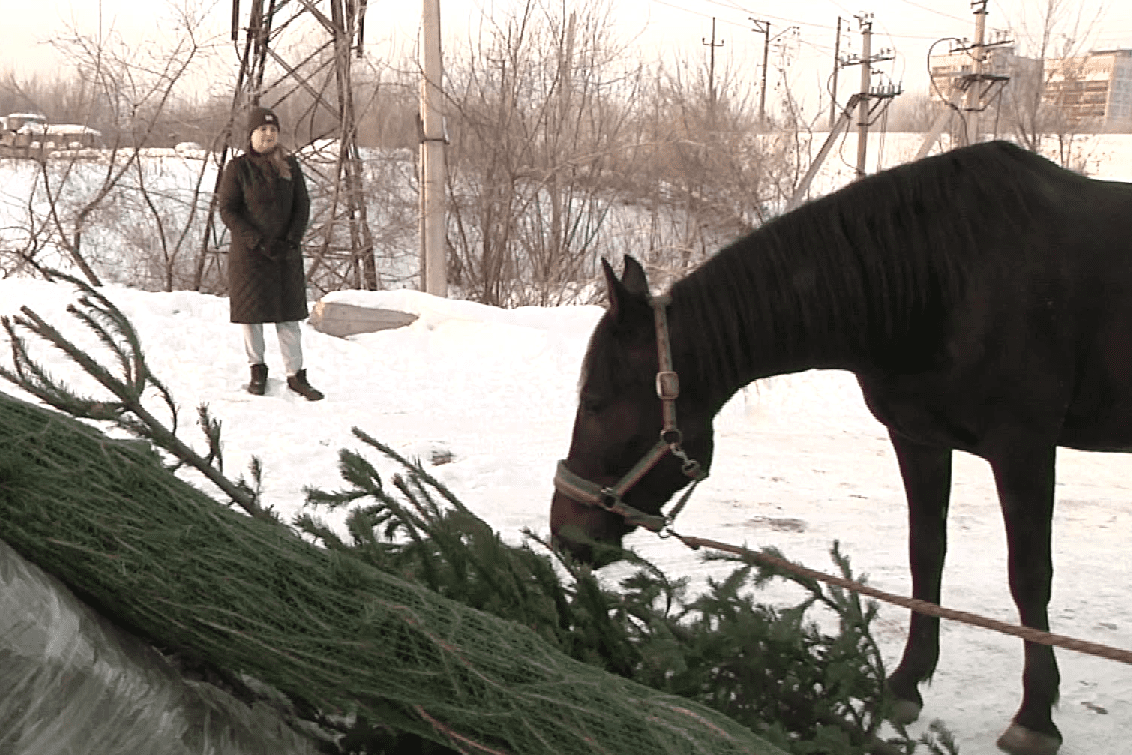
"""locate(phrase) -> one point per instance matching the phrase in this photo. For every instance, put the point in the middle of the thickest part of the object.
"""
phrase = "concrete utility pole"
(978, 54)
(434, 239)
(971, 90)
(868, 93)
(836, 68)
(865, 102)
(866, 23)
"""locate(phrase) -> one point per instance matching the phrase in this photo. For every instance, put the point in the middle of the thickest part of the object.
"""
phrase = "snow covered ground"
(799, 463)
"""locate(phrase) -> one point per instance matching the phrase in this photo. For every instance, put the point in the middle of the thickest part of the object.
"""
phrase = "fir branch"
(127, 410)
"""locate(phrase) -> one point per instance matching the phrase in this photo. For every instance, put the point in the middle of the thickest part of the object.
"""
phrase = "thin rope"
(919, 606)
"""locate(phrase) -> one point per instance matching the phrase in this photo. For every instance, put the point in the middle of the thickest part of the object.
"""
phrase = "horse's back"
(1041, 333)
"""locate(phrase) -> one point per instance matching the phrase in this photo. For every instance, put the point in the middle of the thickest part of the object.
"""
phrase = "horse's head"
(634, 443)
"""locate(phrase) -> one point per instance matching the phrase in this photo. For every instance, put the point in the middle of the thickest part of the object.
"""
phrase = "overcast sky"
(655, 28)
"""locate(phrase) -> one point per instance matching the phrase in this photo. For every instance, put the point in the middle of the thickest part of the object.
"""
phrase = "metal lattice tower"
(310, 83)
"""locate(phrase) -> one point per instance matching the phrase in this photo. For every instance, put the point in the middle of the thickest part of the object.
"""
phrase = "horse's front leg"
(927, 483)
(1025, 481)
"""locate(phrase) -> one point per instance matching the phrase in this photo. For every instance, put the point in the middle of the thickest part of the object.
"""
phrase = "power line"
(784, 20)
(929, 9)
(701, 14)
(779, 20)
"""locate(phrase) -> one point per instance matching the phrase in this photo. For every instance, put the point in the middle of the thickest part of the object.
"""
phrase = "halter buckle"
(667, 385)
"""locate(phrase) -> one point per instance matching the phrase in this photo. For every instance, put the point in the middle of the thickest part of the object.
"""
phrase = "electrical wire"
(735, 7)
(929, 9)
(943, 96)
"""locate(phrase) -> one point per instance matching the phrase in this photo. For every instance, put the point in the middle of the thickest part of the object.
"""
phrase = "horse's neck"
(725, 337)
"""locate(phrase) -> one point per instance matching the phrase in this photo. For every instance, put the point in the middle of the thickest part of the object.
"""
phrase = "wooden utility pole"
(711, 73)
(763, 27)
(434, 237)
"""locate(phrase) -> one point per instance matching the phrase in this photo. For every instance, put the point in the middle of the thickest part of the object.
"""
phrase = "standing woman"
(264, 202)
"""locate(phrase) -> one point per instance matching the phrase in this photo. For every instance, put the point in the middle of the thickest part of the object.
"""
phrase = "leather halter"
(611, 498)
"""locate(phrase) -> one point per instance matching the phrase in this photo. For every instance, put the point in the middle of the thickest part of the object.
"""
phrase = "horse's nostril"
(578, 555)
(570, 540)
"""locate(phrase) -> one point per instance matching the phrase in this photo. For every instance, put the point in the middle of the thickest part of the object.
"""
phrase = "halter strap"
(667, 381)
(592, 494)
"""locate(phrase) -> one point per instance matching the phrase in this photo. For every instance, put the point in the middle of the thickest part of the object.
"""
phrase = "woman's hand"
(277, 249)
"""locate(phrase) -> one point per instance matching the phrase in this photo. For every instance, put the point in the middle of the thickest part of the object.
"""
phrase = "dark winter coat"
(267, 216)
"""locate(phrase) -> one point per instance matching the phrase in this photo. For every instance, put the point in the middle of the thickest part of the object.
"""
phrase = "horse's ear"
(634, 278)
(632, 286)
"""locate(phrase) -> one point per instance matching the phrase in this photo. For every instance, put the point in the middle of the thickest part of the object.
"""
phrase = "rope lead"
(1028, 634)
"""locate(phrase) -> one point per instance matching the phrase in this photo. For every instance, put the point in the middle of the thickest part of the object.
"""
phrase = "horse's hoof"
(904, 712)
(1018, 740)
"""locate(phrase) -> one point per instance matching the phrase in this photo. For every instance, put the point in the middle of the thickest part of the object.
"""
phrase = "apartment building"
(1094, 91)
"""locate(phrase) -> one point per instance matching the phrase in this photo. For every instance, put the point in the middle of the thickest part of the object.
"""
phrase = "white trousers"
(290, 344)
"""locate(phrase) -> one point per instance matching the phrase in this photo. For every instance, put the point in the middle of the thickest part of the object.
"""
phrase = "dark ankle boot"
(258, 384)
(298, 383)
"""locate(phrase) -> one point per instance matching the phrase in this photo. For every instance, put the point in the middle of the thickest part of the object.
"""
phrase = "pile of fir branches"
(772, 669)
(377, 662)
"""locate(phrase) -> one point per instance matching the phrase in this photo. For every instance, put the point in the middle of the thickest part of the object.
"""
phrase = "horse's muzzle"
(589, 535)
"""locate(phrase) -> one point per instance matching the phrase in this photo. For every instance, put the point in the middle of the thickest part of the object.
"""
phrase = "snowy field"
(799, 463)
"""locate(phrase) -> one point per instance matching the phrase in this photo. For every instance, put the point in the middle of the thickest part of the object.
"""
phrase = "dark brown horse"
(983, 299)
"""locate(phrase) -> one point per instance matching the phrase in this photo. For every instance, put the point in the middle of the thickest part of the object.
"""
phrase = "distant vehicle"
(14, 137)
(29, 134)
(15, 121)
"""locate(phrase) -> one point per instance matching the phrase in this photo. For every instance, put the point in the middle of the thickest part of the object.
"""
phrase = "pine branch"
(127, 409)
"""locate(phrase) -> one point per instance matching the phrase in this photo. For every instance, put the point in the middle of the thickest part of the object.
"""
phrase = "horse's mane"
(860, 273)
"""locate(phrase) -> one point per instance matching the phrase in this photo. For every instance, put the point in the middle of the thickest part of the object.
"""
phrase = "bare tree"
(564, 151)
(127, 90)
(1036, 104)
(714, 168)
(699, 133)
(539, 117)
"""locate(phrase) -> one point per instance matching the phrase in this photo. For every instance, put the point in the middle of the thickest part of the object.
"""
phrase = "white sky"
(656, 28)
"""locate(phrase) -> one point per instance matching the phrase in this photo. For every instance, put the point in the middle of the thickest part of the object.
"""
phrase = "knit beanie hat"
(261, 116)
